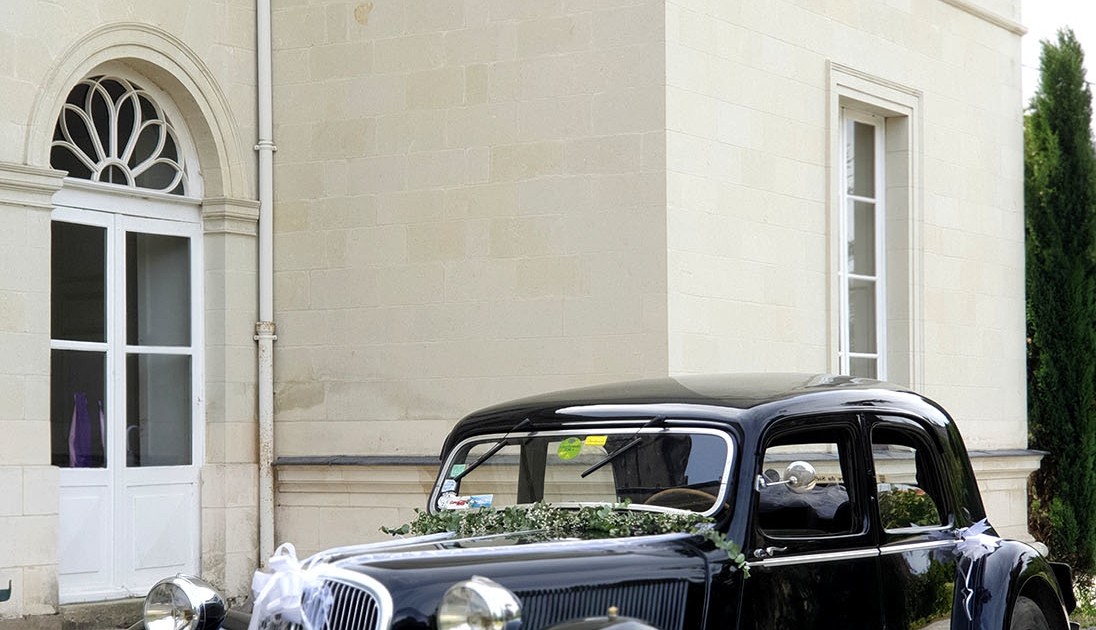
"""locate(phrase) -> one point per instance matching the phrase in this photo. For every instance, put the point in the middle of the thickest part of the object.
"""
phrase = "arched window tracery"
(112, 130)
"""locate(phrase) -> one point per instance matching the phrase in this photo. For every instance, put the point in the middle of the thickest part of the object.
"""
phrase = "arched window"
(111, 130)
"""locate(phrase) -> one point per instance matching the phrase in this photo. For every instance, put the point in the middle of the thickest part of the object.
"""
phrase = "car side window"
(907, 482)
(828, 508)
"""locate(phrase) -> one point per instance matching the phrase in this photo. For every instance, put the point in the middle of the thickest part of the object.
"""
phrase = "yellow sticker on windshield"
(569, 448)
(596, 440)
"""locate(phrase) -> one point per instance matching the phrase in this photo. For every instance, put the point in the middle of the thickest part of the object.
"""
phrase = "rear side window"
(907, 479)
(827, 509)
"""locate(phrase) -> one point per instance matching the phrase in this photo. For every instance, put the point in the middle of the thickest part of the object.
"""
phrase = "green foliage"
(1084, 587)
(1060, 215)
(542, 521)
(907, 507)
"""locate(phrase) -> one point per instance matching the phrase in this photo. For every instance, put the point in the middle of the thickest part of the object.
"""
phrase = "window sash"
(847, 277)
(115, 348)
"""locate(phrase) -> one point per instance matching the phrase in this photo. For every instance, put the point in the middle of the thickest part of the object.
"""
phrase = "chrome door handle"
(768, 552)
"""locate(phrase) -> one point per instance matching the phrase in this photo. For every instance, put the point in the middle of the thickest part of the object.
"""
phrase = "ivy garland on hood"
(544, 522)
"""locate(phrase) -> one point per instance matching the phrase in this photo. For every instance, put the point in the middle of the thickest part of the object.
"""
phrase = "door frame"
(120, 210)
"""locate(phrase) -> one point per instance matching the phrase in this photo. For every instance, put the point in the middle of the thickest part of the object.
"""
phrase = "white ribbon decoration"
(297, 594)
(974, 544)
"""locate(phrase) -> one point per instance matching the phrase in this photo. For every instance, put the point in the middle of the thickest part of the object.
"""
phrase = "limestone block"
(629, 23)
(524, 161)
(551, 36)
(409, 53)
(436, 169)
(239, 569)
(40, 490)
(336, 61)
(553, 118)
(415, 284)
(481, 201)
(525, 236)
(241, 530)
(443, 87)
(554, 194)
(480, 125)
(607, 154)
(11, 501)
(482, 44)
(628, 110)
(377, 174)
(343, 138)
(418, 130)
(26, 442)
(40, 589)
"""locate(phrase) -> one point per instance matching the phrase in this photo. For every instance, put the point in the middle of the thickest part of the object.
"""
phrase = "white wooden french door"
(126, 392)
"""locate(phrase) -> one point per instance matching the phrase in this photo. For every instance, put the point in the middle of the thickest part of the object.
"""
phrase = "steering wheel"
(682, 499)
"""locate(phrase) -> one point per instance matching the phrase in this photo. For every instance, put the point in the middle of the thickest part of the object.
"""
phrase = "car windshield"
(658, 469)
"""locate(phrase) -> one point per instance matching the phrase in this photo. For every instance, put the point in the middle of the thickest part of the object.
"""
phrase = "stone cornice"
(22, 185)
(989, 16)
(221, 215)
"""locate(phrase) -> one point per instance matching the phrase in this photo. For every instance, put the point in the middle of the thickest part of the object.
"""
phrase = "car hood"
(556, 580)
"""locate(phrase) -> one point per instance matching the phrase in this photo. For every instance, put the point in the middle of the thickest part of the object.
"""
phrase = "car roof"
(729, 397)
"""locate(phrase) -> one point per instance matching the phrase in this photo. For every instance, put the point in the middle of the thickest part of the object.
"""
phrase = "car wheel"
(1026, 615)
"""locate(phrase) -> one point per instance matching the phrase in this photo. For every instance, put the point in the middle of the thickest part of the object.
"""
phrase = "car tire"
(1026, 615)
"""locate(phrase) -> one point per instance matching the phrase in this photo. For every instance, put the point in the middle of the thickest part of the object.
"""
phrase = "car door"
(921, 587)
(813, 559)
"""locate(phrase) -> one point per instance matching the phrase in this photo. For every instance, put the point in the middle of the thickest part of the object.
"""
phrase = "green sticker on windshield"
(457, 469)
(569, 448)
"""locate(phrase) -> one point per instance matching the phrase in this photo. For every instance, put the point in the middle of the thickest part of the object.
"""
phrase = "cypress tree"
(1060, 226)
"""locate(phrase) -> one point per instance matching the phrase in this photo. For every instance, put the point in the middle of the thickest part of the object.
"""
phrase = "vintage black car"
(852, 499)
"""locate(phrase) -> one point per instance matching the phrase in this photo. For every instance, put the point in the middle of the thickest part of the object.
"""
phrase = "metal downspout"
(264, 328)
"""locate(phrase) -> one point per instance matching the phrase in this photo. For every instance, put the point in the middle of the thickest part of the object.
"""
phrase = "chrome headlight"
(479, 604)
(183, 602)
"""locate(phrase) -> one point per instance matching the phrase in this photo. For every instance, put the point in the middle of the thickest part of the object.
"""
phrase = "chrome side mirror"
(799, 476)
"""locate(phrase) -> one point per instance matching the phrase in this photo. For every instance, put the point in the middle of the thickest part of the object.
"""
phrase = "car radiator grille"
(354, 609)
(661, 604)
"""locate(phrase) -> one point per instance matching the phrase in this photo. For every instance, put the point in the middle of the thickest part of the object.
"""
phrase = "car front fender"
(1016, 569)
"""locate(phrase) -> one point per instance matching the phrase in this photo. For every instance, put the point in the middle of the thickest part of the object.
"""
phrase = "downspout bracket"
(264, 330)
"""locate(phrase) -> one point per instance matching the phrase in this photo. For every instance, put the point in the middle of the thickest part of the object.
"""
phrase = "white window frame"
(845, 276)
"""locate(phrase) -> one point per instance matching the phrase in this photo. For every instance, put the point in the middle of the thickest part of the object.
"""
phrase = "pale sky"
(1043, 18)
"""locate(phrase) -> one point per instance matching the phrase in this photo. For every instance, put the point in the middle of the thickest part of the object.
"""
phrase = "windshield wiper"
(657, 420)
(490, 452)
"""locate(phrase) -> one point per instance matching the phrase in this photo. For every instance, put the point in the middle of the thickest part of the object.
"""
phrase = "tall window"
(862, 267)
(126, 334)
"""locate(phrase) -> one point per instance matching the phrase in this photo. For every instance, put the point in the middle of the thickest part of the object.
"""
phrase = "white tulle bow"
(974, 544)
(296, 594)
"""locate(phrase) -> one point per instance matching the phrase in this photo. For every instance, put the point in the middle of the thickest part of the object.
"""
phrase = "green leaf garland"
(543, 521)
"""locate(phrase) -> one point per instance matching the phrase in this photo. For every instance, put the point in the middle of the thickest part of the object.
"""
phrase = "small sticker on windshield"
(569, 448)
(457, 469)
(596, 440)
(452, 502)
(480, 500)
(449, 485)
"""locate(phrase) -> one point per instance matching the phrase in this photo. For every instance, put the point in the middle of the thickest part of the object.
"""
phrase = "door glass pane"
(157, 290)
(78, 289)
(860, 158)
(158, 410)
(909, 494)
(861, 232)
(78, 409)
(862, 316)
(822, 510)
